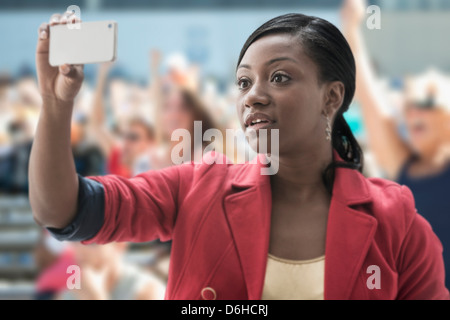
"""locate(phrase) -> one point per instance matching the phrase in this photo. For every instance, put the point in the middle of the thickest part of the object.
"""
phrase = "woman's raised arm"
(53, 182)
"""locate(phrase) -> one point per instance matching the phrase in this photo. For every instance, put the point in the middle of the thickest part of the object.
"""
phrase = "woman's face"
(135, 142)
(277, 80)
(95, 256)
(99, 256)
(426, 127)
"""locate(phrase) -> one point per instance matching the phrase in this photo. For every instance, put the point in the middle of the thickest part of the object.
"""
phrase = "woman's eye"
(243, 83)
(279, 78)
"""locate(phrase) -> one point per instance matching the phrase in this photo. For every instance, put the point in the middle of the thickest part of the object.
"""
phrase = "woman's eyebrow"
(246, 66)
(280, 59)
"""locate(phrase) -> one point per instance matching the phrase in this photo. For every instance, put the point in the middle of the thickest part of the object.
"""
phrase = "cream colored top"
(294, 280)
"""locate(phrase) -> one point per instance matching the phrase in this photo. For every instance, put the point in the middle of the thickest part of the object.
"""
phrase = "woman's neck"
(301, 173)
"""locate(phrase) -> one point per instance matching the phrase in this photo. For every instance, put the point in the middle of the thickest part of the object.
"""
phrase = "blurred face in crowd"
(98, 256)
(135, 141)
(426, 127)
(176, 114)
(277, 78)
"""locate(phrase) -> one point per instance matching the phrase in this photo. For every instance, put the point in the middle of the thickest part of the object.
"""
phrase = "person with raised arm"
(422, 161)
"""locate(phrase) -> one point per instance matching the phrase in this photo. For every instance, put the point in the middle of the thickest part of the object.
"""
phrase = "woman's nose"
(257, 96)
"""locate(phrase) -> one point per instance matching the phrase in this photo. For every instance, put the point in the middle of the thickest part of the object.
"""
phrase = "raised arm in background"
(155, 92)
(98, 127)
(390, 151)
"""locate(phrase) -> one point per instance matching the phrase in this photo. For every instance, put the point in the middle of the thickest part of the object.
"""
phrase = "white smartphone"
(90, 42)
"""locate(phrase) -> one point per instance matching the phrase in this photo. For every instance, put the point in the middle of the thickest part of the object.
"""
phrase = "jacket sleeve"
(420, 262)
(89, 216)
(142, 208)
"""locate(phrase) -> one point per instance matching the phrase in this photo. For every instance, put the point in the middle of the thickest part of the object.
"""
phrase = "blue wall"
(212, 37)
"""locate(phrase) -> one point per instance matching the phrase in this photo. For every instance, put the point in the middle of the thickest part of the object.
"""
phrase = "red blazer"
(218, 217)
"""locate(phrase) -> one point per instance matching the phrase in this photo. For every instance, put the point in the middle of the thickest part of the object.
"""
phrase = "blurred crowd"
(119, 127)
(124, 127)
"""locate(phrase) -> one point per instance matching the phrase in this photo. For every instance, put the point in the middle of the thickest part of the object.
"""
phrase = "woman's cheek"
(240, 112)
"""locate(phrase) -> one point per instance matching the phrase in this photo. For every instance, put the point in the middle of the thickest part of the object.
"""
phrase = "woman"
(52, 258)
(177, 106)
(107, 276)
(422, 162)
(179, 109)
(234, 231)
(136, 138)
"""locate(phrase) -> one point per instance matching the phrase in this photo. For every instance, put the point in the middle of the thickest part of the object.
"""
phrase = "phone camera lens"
(110, 25)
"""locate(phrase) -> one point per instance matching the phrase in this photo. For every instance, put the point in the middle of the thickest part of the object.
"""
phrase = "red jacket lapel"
(350, 232)
(248, 211)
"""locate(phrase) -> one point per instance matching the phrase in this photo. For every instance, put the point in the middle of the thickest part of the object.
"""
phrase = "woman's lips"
(258, 120)
(260, 125)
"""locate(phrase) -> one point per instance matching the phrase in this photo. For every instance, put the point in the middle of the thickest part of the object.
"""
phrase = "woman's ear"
(335, 92)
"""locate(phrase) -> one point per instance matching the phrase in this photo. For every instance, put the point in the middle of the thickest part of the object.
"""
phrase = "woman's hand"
(56, 83)
(353, 13)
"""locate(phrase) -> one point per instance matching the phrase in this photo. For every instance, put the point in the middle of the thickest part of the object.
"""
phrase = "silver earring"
(328, 129)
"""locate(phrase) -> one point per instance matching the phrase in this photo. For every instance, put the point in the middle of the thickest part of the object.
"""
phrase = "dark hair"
(144, 124)
(327, 47)
(197, 109)
(200, 112)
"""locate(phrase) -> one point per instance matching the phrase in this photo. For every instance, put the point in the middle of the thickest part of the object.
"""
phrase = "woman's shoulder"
(392, 203)
(407, 241)
(384, 188)
(400, 229)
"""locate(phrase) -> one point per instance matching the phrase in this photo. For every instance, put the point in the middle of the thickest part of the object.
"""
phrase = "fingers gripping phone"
(92, 42)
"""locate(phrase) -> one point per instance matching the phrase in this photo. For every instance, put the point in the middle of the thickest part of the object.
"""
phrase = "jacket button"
(209, 293)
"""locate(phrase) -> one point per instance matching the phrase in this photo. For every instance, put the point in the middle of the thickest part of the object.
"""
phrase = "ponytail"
(345, 144)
